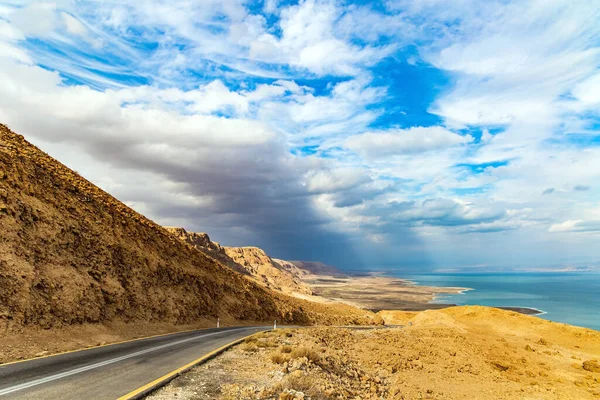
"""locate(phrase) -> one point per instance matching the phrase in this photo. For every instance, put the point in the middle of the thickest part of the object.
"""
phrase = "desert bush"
(271, 334)
(266, 343)
(286, 349)
(249, 347)
(284, 332)
(305, 384)
(279, 358)
(251, 339)
(311, 354)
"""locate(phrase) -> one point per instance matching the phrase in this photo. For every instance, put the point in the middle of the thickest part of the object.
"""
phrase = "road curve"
(109, 372)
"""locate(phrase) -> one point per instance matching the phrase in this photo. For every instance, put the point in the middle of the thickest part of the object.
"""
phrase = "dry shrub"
(305, 384)
(251, 339)
(311, 354)
(266, 343)
(248, 347)
(286, 349)
(279, 358)
(284, 332)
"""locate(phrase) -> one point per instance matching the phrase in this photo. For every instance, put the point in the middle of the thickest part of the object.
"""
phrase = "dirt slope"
(70, 253)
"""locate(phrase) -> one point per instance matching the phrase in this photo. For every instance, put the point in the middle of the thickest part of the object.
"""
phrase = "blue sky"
(410, 135)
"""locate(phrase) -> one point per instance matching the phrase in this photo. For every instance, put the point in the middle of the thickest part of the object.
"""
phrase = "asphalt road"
(112, 371)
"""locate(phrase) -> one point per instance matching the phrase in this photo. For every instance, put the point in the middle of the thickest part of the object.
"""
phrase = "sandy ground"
(378, 292)
(456, 353)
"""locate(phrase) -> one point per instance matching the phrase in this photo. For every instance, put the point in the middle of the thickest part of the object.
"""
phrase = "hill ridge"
(251, 261)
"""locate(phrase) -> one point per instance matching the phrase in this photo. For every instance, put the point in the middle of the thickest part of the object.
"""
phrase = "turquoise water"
(572, 298)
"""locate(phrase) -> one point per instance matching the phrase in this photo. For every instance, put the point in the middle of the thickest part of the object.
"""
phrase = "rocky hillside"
(274, 274)
(201, 241)
(292, 268)
(253, 262)
(70, 253)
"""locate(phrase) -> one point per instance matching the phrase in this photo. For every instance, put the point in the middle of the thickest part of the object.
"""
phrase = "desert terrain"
(376, 292)
(464, 352)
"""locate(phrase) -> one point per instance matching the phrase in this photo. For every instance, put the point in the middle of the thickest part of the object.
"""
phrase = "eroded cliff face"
(201, 241)
(253, 262)
(274, 274)
(281, 275)
(70, 253)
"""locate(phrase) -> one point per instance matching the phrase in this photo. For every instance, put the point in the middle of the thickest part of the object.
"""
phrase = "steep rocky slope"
(201, 241)
(70, 253)
(274, 274)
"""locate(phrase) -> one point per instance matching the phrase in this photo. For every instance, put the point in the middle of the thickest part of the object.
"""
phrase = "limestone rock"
(591, 366)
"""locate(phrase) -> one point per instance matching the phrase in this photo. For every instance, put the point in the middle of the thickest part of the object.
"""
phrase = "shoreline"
(519, 309)
(377, 291)
(522, 310)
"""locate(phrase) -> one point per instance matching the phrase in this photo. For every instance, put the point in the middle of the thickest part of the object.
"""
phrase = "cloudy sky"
(411, 135)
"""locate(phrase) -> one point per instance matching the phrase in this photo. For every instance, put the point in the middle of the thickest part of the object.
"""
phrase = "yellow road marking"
(104, 345)
(155, 384)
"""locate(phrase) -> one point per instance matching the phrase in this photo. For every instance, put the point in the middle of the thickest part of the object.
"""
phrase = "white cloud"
(405, 141)
(514, 61)
(588, 91)
(576, 226)
(270, 6)
(311, 119)
(15, 53)
(35, 19)
(447, 212)
(310, 40)
(9, 32)
(333, 180)
(73, 25)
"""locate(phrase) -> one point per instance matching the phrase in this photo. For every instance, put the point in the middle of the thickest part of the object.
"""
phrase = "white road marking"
(50, 378)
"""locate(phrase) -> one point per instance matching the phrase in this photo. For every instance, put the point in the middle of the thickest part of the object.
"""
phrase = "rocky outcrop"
(201, 241)
(274, 274)
(292, 268)
(197, 240)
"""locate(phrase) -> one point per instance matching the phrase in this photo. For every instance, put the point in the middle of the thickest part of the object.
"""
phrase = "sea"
(572, 298)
